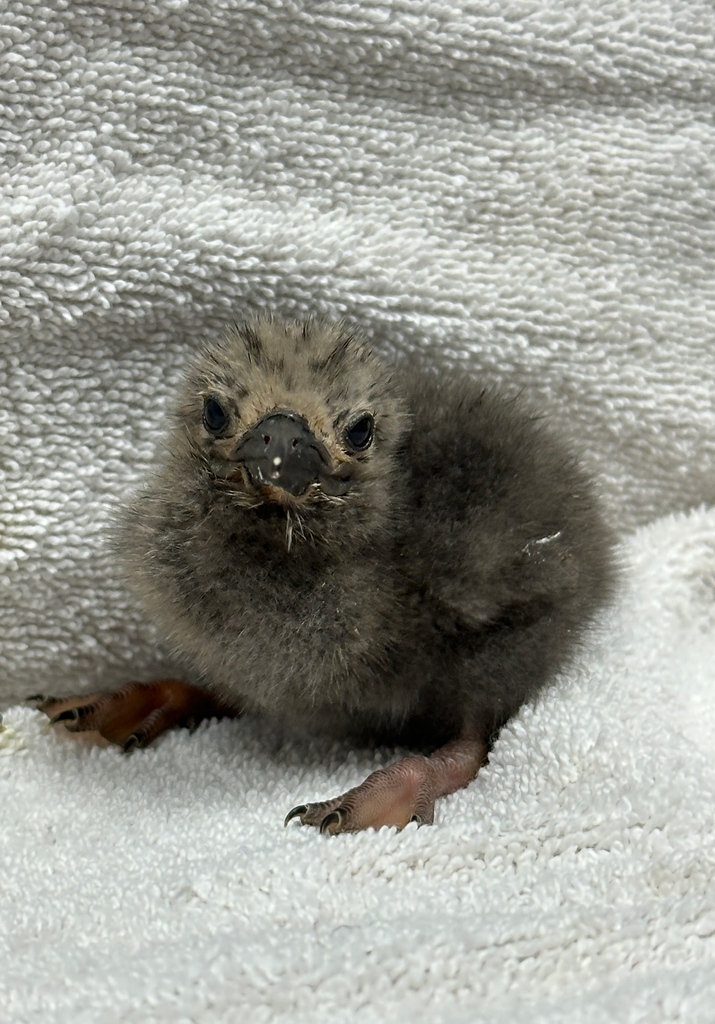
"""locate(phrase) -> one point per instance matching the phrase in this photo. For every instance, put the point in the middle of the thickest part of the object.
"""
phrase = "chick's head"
(294, 419)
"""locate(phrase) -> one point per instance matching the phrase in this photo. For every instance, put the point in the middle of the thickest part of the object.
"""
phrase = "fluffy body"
(453, 579)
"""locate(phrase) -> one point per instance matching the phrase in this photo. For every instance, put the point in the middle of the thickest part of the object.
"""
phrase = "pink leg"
(403, 792)
(135, 715)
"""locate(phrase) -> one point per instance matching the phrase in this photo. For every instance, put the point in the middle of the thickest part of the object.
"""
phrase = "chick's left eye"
(215, 416)
(359, 434)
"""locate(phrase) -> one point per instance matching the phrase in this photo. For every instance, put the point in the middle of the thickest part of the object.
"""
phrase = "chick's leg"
(135, 715)
(403, 792)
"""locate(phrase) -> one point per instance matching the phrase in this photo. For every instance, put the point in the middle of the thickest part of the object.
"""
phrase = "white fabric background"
(572, 883)
(524, 185)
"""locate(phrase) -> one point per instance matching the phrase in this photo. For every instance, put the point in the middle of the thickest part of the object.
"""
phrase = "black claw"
(72, 715)
(418, 819)
(39, 698)
(334, 818)
(131, 744)
(296, 812)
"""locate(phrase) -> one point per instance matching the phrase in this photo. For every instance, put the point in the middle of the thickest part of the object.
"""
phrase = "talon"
(418, 819)
(39, 698)
(66, 716)
(334, 818)
(296, 812)
(131, 744)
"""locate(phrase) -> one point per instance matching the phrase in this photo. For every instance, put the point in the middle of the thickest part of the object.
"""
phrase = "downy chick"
(384, 551)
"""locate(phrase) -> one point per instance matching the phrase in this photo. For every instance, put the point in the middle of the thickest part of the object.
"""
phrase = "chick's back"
(506, 545)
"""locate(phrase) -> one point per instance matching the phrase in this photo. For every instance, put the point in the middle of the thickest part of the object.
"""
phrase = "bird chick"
(383, 551)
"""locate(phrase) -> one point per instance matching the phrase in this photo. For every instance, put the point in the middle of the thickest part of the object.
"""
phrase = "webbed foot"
(135, 715)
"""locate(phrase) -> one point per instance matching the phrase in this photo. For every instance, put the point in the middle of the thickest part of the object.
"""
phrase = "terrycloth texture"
(528, 186)
(573, 882)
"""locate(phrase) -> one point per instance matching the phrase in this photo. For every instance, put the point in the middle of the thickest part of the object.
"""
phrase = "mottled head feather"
(323, 371)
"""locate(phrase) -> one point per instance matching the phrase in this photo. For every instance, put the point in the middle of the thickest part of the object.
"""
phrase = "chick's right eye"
(215, 416)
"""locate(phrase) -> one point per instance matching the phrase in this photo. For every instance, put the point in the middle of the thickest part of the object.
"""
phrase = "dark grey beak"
(281, 451)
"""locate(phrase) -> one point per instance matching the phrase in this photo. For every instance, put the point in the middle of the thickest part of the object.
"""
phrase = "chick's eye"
(359, 434)
(215, 416)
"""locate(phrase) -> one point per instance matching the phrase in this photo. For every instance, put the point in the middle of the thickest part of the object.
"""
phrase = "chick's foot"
(403, 792)
(135, 715)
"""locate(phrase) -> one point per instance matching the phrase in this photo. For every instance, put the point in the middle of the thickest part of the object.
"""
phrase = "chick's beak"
(281, 451)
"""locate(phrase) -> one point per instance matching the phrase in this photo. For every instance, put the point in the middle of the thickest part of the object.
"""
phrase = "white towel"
(573, 881)
(524, 185)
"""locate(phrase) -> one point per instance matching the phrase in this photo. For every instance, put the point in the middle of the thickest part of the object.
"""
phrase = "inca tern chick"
(387, 551)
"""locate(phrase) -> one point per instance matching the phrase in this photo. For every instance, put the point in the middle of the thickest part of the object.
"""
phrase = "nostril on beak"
(295, 441)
